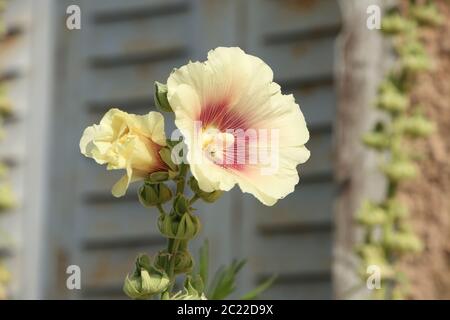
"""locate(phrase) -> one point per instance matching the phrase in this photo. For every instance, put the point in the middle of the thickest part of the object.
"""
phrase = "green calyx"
(160, 95)
(193, 290)
(209, 197)
(154, 194)
(166, 156)
(181, 227)
(184, 263)
(146, 280)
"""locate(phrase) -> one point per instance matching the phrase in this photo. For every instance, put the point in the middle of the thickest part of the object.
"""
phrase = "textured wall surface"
(428, 195)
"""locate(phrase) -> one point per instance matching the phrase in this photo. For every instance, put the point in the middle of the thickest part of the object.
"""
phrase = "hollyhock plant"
(236, 128)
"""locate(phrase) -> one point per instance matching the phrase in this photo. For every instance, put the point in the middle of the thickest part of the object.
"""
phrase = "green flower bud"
(377, 140)
(166, 156)
(403, 241)
(3, 170)
(184, 295)
(416, 126)
(371, 214)
(175, 227)
(372, 254)
(154, 194)
(416, 63)
(392, 100)
(181, 204)
(398, 170)
(184, 262)
(194, 283)
(192, 290)
(158, 177)
(396, 209)
(146, 280)
(209, 197)
(413, 56)
(161, 101)
(5, 275)
(7, 199)
(427, 14)
(5, 106)
(395, 23)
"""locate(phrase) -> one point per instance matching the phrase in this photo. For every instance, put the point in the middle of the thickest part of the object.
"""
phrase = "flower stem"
(174, 244)
(193, 199)
(182, 178)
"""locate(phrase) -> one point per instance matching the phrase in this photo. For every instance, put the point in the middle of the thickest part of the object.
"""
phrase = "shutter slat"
(121, 220)
(153, 36)
(287, 16)
(129, 82)
(292, 253)
(108, 268)
(309, 205)
(300, 61)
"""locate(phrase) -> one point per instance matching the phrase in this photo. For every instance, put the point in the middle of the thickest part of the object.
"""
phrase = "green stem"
(173, 250)
(182, 178)
(174, 244)
(161, 209)
(193, 199)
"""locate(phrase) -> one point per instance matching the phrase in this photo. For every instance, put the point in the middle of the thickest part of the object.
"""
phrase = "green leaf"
(224, 282)
(259, 289)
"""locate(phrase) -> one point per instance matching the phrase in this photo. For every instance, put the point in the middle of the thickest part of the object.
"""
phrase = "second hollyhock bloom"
(126, 141)
(238, 126)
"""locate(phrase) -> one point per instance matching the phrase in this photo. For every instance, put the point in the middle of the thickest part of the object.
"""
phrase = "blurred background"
(59, 81)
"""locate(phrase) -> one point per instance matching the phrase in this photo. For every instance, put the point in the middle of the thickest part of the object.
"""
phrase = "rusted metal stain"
(298, 50)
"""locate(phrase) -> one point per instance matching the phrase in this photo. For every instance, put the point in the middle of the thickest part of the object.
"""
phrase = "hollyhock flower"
(126, 141)
(238, 126)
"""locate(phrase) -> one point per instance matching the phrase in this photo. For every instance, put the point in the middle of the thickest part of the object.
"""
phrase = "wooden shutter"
(293, 239)
(113, 60)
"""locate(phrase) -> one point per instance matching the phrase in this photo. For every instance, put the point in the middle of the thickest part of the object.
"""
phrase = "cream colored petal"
(120, 187)
(186, 105)
(238, 75)
(211, 177)
(86, 139)
(150, 125)
(270, 184)
(94, 143)
(196, 75)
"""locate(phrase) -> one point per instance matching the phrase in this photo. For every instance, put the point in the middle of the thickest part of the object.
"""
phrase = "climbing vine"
(7, 200)
(387, 233)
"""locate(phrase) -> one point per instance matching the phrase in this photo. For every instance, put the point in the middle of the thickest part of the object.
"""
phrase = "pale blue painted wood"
(118, 63)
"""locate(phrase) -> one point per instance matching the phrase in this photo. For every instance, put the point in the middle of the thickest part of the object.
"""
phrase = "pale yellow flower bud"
(126, 141)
